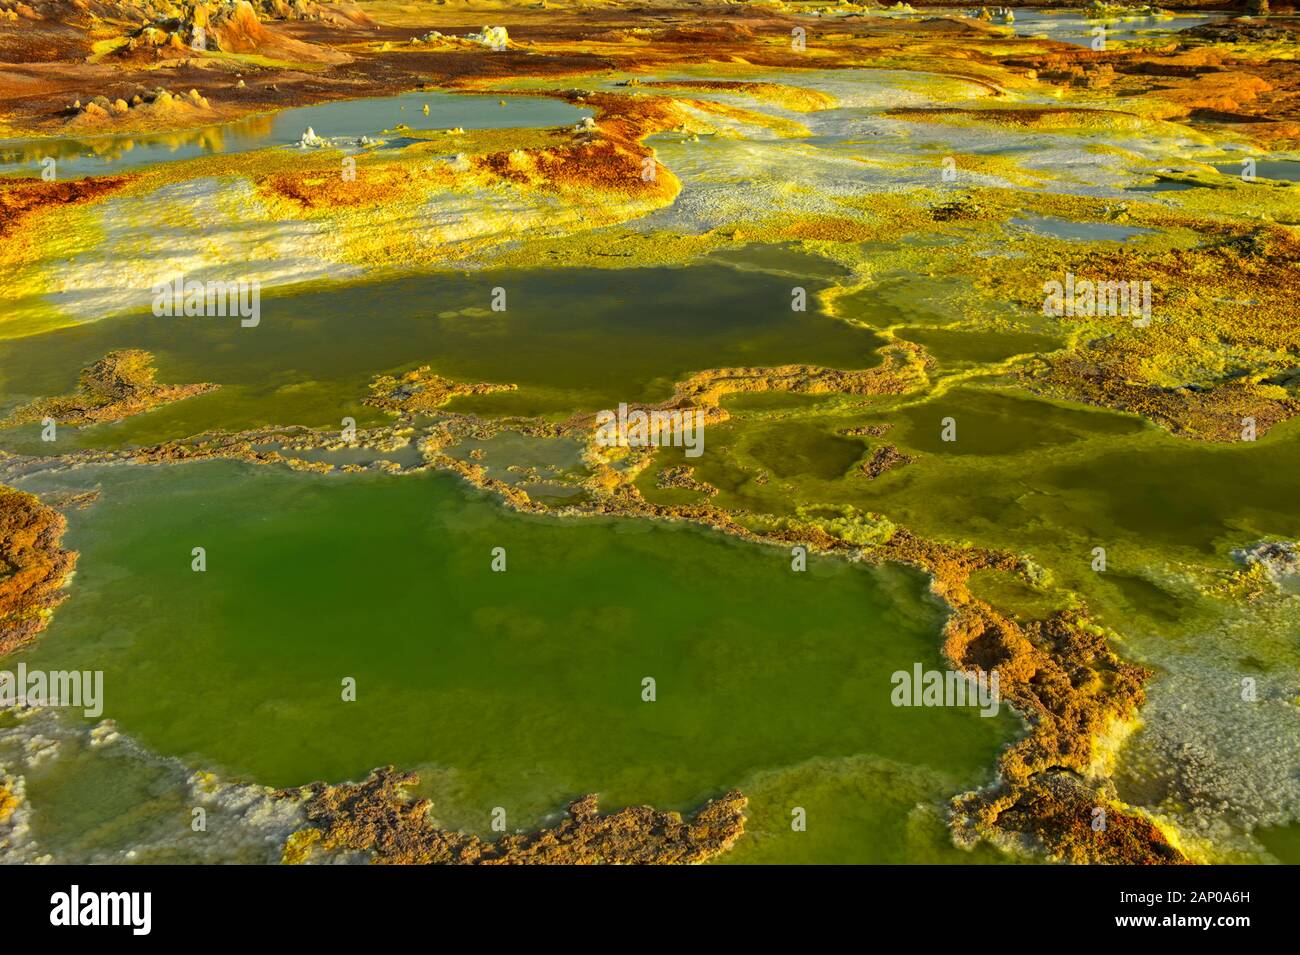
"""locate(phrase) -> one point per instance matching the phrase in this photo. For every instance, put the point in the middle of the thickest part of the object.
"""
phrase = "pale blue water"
(1284, 169)
(1073, 27)
(98, 155)
(1079, 231)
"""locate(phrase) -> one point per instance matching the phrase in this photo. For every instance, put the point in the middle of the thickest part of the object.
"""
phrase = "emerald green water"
(1028, 474)
(961, 348)
(519, 689)
(310, 359)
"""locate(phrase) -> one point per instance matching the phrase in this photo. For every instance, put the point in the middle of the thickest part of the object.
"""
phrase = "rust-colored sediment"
(24, 198)
(377, 817)
(33, 567)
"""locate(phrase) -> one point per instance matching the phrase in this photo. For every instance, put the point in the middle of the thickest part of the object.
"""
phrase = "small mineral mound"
(228, 26)
(1277, 559)
(157, 107)
(119, 385)
(422, 390)
(885, 458)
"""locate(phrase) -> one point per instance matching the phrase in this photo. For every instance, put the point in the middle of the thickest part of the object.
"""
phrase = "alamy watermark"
(83, 688)
(1084, 298)
(922, 687)
(658, 427)
(133, 910)
(210, 299)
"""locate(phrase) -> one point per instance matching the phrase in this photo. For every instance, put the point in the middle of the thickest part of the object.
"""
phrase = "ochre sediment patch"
(682, 477)
(1218, 349)
(1028, 117)
(885, 458)
(119, 385)
(21, 199)
(1225, 411)
(238, 27)
(33, 567)
(9, 801)
(377, 817)
(797, 98)
(421, 391)
(603, 160)
(903, 369)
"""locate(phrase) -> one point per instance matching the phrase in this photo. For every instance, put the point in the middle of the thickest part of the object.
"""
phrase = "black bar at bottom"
(333, 904)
